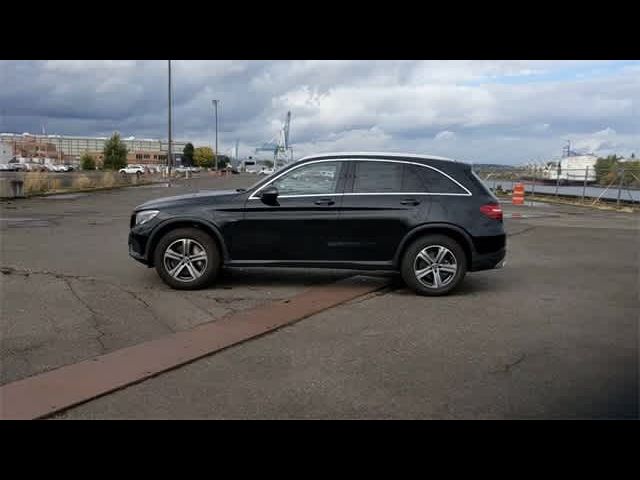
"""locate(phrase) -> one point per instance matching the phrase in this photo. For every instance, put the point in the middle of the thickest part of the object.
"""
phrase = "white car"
(266, 171)
(183, 169)
(133, 169)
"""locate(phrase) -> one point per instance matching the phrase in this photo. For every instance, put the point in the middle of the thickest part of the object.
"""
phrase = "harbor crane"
(280, 147)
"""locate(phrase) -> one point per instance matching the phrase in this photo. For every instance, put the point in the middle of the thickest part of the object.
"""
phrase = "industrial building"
(140, 157)
(6, 152)
(69, 149)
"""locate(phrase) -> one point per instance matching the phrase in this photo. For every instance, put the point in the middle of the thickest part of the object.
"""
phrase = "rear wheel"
(434, 265)
(187, 259)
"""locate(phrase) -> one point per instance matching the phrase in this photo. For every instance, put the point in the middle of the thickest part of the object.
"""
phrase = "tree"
(87, 162)
(203, 157)
(606, 169)
(187, 155)
(223, 161)
(115, 153)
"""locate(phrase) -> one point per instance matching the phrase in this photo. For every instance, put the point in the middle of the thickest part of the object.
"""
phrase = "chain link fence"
(619, 183)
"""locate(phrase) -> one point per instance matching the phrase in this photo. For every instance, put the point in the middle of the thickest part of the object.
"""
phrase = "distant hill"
(493, 166)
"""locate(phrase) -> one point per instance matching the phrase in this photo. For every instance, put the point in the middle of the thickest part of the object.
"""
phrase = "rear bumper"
(489, 261)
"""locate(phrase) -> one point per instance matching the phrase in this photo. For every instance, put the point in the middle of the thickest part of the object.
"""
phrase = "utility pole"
(215, 104)
(169, 162)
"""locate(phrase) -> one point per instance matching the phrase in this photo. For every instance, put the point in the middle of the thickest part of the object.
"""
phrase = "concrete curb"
(51, 392)
(89, 190)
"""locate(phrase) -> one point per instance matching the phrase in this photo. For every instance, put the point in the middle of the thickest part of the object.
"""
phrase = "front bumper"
(489, 261)
(137, 247)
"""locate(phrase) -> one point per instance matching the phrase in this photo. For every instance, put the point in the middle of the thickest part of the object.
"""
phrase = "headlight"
(145, 216)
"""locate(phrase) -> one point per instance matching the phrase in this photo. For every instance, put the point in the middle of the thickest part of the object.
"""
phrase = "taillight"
(492, 210)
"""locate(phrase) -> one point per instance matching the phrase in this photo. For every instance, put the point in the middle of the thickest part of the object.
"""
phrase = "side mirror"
(269, 195)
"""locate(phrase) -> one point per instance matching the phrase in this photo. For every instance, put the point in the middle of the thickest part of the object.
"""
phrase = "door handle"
(324, 201)
(410, 201)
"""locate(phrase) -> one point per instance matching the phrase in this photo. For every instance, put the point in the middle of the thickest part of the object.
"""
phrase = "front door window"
(315, 179)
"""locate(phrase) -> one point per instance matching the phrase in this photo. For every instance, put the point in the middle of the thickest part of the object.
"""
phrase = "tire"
(197, 274)
(414, 260)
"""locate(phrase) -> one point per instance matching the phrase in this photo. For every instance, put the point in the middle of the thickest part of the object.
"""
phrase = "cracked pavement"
(544, 338)
(69, 290)
(552, 335)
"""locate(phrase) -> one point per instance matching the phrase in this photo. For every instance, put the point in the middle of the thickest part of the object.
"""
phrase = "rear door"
(383, 200)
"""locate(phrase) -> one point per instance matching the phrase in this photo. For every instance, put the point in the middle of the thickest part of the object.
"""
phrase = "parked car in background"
(35, 167)
(429, 218)
(132, 169)
(183, 169)
(267, 171)
(9, 167)
(59, 168)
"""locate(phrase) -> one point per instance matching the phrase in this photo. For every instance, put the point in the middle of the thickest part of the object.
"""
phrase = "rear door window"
(412, 182)
(377, 177)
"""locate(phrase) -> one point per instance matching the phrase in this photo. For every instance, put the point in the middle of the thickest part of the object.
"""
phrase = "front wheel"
(434, 265)
(187, 259)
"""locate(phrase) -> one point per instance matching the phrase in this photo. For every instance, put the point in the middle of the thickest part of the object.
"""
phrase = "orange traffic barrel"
(518, 194)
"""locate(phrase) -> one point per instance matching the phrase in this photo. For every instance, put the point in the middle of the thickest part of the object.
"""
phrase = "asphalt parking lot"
(552, 335)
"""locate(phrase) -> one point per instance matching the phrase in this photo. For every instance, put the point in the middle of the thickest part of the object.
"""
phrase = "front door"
(297, 226)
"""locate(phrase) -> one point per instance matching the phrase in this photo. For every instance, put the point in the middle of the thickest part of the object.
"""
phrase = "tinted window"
(411, 179)
(435, 182)
(381, 177)
(317, 178)
(377, 177)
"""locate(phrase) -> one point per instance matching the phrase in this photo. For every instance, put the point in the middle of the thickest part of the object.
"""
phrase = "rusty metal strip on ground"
(50, 392)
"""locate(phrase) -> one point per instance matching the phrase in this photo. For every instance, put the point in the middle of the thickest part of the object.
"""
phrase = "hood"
(215, 196)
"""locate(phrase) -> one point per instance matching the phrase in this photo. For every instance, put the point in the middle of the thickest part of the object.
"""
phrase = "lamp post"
(169, 152)
(215, 104)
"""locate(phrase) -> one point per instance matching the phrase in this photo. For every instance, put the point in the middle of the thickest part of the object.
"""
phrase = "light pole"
(215, 104)
(169, 152)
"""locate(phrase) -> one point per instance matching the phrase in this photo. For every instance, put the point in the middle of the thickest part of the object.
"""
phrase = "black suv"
(428, 217)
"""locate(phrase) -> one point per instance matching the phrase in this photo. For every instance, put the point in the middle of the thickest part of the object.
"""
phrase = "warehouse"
(68, 149)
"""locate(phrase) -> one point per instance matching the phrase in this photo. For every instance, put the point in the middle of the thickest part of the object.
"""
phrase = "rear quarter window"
(435, 182)
(481, 185)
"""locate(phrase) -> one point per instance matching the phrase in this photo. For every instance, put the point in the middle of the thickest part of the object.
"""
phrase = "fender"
(424, 228)
(206, 225)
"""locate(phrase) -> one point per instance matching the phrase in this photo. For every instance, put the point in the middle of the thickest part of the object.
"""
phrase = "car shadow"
(257, 277)
(472, 284)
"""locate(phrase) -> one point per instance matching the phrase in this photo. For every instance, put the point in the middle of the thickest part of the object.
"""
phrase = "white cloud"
(371, 105)
(606, 132)
(445, 135)
(604, 141)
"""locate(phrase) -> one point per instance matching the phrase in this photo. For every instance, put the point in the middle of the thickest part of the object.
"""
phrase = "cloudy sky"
(475, 111)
